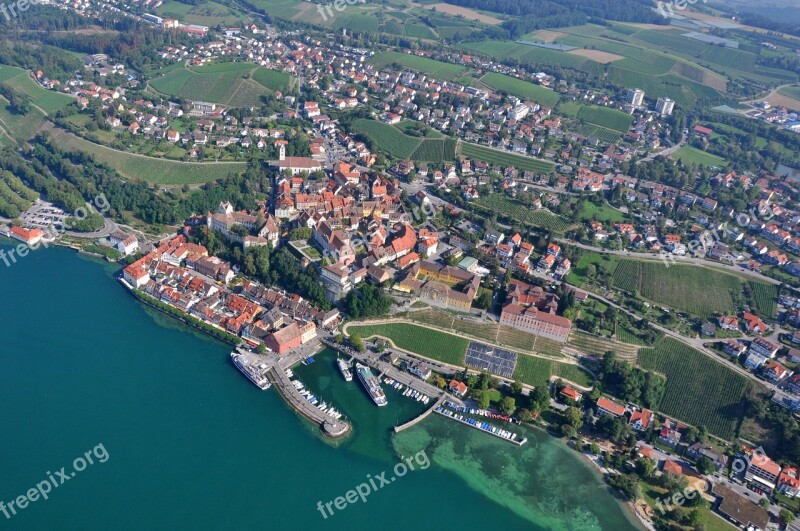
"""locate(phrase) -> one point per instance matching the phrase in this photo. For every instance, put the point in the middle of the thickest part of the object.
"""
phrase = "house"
(457, 388)
(570, 393)
(764, 347)
(735, 348)
(789, 482)
(420, 369)
(669, 434)
(708, 329)
(775, 371)
(699, 451)
(753, 324)
(124, 243)
(726, 322)
(606, 406)
(641, 419)
(762, 471)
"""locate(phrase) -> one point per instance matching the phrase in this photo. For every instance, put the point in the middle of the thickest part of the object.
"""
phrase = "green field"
(699, 390)
(392, 140)
(606, 117)
(538, 371)
(792, 92)
(432, 344)
(504, 205)
(700, 291)
(436, 69)
(521, 89)
(19, 80)
(202, 13)
(764, 298)
(154, 170)
(690, 155)
(533, 55)
(233, 84)
(504, 159)
(605, 213)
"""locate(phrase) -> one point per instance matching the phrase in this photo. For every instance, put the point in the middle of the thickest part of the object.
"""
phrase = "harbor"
(457, 413)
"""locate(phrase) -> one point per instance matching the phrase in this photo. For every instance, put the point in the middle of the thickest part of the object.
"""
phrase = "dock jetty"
(485, 427)
(330, 426)
(419, 418)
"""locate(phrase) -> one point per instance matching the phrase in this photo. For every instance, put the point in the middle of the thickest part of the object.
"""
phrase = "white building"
(635, 97)
(665, 106)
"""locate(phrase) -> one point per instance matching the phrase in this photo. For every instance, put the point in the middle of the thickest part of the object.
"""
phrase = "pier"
(330, 426)
(442, 399)
(462, 421)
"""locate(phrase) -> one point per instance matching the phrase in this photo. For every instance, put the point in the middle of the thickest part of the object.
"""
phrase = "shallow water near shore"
(192, 444)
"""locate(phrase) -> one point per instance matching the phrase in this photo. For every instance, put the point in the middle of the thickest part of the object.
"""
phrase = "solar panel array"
(492, 359)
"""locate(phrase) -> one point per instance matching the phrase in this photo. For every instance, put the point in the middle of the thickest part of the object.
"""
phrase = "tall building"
(665, 106)
(635, 97)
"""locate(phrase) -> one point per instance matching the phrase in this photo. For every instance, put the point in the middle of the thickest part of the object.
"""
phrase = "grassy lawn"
(606, 262)
(429, 343)
(605, 213)
(690, 155)
(538, 371)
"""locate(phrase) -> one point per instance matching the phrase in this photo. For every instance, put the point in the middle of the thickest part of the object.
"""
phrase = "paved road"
(676, 258)
(664, 152)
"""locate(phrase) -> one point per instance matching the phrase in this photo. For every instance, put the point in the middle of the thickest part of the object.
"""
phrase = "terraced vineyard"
(435, 150)
(597, 346)
(504, 159)
(700, 291)
(388, 138)
(502, 204)
(699, 390)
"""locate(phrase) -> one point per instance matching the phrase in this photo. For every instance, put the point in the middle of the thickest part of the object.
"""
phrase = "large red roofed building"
(606, 406)
(31, 237)
(285, 339)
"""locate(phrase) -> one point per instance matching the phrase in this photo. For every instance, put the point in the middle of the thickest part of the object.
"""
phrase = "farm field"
(154, 170)
(700, 291)
(396, 143)
(202, 13)
(690, 155)
(437, 69)
(19, 80)
(605, 213)
(501, 158)
(606, 117)
(522, 89)
(533, 55)
(233, 84)
(432, 344)
(504, 205)
(699, 390)
(20, 127)
(538, 371)
(764, 298)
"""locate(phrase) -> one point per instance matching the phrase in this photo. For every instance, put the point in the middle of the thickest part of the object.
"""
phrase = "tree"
(645, 467)
(786, 516)
(261, 348)
(483, 399)
(516, 388)
(525, 415)
(764, 502)
(705, 465)
(627, 484)
(540, 398)
(484, 300)
(568, 431)
(356, 342)
(508, 405)
(573, 417)
(594, 448)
